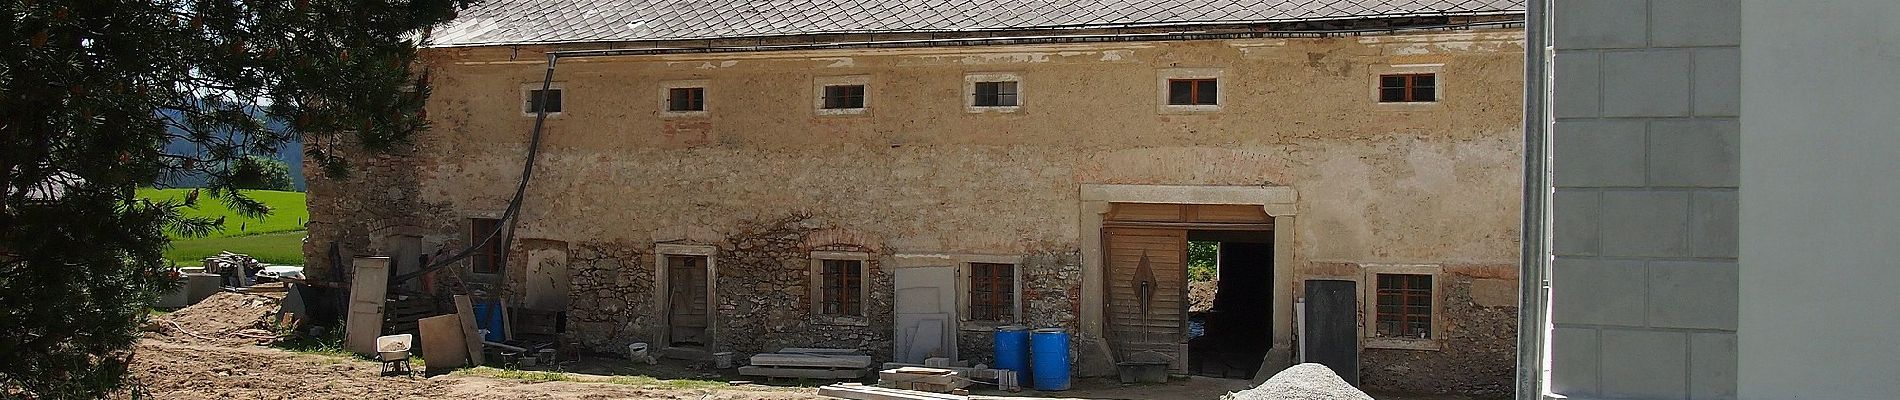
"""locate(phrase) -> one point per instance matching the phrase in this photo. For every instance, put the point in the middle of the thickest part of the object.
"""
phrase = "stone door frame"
(663, 289)
(1277, 201)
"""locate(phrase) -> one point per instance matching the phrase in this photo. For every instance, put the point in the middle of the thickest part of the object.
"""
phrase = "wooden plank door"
(368, 289)
(1147, 297)
(687, 311)
(925, 308)
(1332, 327)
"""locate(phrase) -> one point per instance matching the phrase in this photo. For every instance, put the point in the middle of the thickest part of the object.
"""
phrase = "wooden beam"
(879, 393)
(465, 309)
(811, 373)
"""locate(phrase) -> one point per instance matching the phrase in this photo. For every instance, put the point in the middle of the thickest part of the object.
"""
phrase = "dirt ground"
(211, 351)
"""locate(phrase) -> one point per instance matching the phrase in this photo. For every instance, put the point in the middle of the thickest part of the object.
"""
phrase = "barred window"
(995, 94)
(1408, 88)
(1404, 306)
(535, 101)
(992, 292)
(842, 280)
(844, 96)
(686, 99)
(1193, 92)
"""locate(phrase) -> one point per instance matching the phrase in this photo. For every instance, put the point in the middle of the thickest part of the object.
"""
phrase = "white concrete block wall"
(1645, 159)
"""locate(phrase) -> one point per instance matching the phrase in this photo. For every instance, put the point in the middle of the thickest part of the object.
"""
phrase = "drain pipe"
(1534, 257)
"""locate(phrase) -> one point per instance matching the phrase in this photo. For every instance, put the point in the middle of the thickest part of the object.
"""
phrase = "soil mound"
(224, 318)
(1307, 381)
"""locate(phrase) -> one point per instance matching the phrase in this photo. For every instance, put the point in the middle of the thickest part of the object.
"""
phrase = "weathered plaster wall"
(1433, 184)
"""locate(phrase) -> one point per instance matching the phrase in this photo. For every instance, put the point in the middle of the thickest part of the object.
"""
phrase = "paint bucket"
(1049, 353)
(637, 352)
(1012, 348)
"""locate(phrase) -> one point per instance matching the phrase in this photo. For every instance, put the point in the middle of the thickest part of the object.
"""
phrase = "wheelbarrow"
(393, 352)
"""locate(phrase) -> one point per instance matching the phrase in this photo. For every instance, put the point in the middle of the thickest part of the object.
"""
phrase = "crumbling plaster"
(1376, 183)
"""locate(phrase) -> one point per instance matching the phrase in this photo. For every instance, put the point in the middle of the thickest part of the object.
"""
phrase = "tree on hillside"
(91, 91)
(271, 173)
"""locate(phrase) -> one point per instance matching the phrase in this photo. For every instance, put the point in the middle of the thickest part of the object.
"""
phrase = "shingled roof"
(501, 22)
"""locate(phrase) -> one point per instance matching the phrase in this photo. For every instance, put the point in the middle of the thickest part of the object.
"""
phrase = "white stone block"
(1693, 294)
(1598, 153)
(1695, 153)
(1714, 226)
(1599, 24)
(1644, 364)
(1718, 82)
(1574, 215)
(1685, 23)
(1573, 361)
(1645, 224)
(1647, 83)
(1712, 366)
(1576, 92)
(1597, 292)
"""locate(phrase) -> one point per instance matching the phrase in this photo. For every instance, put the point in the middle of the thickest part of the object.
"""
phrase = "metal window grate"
(1193, 92)
(686, 99)
(1404, 306)
(842, 282)
(1408, 88)
(995, 94)
(992, 292)
(844, 96)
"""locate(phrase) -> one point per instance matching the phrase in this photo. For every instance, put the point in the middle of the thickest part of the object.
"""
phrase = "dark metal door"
(1332, 327)
(686, 294)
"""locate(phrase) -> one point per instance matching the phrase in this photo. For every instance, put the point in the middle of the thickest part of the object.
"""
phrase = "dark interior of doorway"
(1229, 336)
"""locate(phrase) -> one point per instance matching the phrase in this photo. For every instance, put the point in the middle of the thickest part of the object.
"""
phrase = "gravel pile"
(1307, 381)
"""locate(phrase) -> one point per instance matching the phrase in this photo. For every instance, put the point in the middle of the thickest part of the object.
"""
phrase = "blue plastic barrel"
(1012, 349)
(1049, 353)
(488, 316)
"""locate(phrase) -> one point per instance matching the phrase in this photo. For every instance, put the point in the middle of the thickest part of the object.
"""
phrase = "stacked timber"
(922, 379)
(808, 363)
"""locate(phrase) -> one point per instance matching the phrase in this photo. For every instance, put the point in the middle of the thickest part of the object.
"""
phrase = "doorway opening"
(1230, 302)
(687, 314)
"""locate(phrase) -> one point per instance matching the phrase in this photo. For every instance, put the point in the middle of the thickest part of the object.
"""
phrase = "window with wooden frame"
(839, 97)
(1408, 88)
(535, 101)
(686, 99)
(840, 287)
(995, 94)
(1193, 92)
(992, 292)
(487, 256)
(1404, 306)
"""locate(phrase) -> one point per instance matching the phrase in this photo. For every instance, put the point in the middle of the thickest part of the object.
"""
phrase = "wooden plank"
(1229, 213)
(367, 290)
(878, 393)
(465, 310)
(806, 360)
(810, 373)
(442, 344)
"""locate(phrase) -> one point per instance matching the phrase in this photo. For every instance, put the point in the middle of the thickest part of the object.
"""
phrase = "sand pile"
(1307, 381)
(224, 318)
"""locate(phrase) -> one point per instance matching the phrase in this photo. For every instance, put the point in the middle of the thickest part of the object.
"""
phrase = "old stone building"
(903, 179)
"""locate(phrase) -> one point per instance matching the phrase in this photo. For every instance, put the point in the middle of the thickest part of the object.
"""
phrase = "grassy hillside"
(277, 238)
(287, 211)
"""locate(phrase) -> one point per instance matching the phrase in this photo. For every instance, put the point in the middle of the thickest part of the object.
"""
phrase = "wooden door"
(687, 312)
(1331, 329)
(368, 290)
(1147, 299)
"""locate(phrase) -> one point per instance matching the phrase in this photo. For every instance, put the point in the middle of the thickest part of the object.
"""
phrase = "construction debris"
(1307, 381)
(860, 392)
(922, 379)
(808, 363)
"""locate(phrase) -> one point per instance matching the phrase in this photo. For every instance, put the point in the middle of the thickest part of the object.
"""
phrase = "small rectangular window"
(686, 99)
(842, 280)
(992, 292)
(844, 97)
(1404, 303)
(553, 101)
(995, 94)
(1408, 88)
(1193, 92)
(487, 256)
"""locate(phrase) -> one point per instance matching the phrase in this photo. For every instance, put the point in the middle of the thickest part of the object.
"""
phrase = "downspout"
(1534, 256)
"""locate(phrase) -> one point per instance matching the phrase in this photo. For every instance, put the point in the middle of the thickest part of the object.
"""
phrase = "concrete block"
(1645, 224)
(1573, 361)
(1644, 364)
(1574, 215)
(1598, 153)
(1714, 224)
(1597, 292)
(1695, 153)
(1576, 93)
(1712, 366)
(1683, 23)
(1693, 294)
(1599, 24)
(1647, 83)
(1718, 82)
